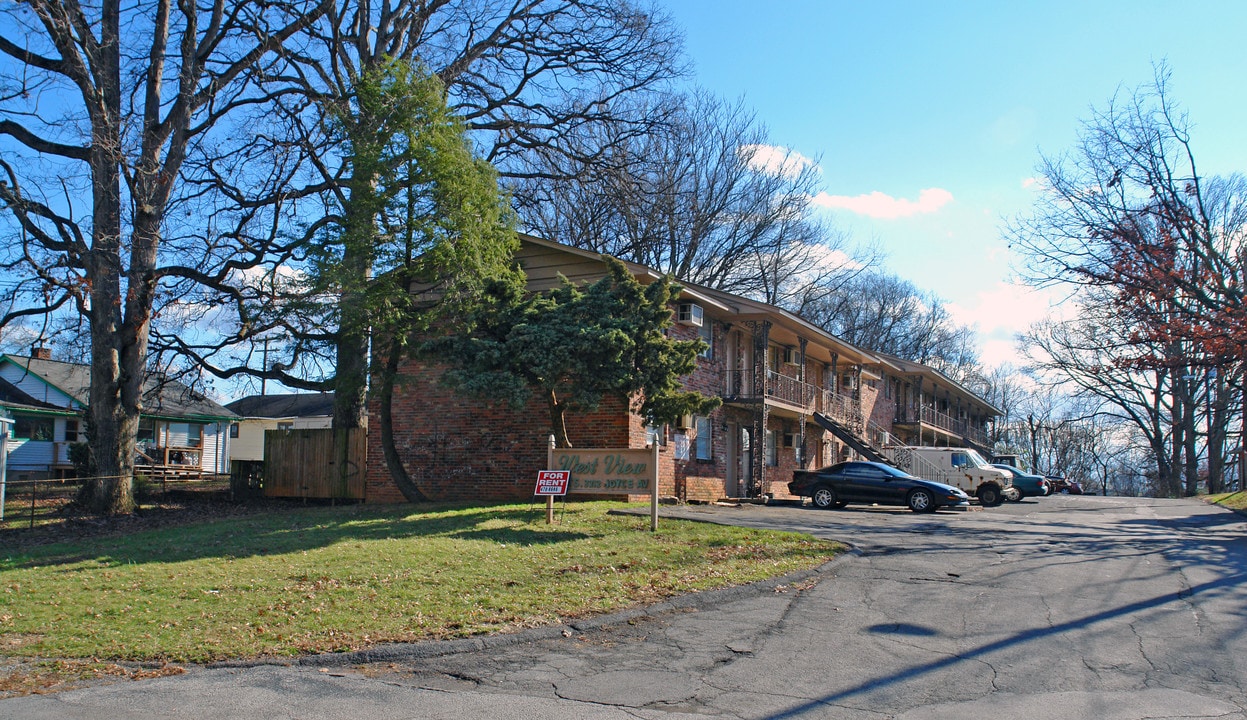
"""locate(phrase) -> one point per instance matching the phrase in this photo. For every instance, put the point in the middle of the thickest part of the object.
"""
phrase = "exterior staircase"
(850, 438)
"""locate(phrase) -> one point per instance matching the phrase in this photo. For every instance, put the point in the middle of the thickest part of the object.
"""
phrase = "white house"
(47, 400)
(274, 412)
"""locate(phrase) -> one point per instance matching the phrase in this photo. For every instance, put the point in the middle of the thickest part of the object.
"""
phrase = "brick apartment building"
(772, 370)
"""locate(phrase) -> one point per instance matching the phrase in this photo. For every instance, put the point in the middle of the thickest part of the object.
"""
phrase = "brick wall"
(458, 448)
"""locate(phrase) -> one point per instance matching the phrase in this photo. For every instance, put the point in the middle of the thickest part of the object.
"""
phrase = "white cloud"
(1034, 183)
(1002, 311)
(775, 160)
(880, 205)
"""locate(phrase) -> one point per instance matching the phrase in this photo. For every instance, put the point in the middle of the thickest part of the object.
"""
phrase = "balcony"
(790, 392)
(941, 421)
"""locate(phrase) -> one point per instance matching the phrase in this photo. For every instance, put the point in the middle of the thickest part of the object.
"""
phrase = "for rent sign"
(552, 482)
(607, 472)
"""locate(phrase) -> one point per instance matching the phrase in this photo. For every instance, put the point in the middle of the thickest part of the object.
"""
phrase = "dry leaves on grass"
(22, 676)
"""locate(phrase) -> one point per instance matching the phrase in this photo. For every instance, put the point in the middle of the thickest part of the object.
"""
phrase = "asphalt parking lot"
(1061, 607)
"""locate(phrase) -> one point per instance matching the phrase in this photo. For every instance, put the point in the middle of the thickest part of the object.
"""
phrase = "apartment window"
(71, 431)
(194, 435)
(706, 333)
(233, 431)
(704, 437)
(772, 448)
(32, 428)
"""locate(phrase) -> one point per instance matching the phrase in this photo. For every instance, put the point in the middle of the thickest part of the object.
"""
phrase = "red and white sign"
(553, 482)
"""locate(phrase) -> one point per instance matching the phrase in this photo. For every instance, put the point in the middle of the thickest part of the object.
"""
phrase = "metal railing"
(812, 398)
(931, 416)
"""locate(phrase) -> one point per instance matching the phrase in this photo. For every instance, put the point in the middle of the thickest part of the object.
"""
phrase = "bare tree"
(102, 106)
(1148, 244)
(519, 74)
(882, 312)
(704, 196)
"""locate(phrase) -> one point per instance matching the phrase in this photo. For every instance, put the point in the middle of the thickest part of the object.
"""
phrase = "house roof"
(283, 406)
(163, 399)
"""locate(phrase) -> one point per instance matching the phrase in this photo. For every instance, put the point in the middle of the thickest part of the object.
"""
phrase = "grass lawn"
(307, 580)
(1233, 501)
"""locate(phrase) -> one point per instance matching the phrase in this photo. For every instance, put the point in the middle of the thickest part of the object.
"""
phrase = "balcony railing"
(791, 391)
(934, 418)
(842, 408)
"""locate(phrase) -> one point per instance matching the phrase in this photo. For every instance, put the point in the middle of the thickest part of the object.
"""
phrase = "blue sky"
(958, 99)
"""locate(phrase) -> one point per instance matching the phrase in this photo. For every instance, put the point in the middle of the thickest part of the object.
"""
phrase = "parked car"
(1027, 485)
(960, 467)
(871, 482)
(1062, 484)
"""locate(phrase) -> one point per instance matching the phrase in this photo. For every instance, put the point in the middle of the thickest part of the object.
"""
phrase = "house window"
(285, 426)
(704, 436)
(194, 435)
(32, 428)
(772, 448)
(233, 430)
(147, 430)
(706, 333)
(71, 431)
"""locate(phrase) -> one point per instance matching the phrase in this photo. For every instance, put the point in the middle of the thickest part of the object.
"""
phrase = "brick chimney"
(39, 352)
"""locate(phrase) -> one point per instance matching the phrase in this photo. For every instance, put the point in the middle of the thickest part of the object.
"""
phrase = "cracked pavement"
(1061, 607)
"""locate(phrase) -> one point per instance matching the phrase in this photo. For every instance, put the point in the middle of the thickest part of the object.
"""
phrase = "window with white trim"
(705, 446)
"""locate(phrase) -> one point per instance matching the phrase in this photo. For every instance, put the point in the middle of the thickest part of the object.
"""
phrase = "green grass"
(1233, 501)
(335, 579)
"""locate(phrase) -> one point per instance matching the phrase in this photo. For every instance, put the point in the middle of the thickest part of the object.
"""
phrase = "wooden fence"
(315, 463)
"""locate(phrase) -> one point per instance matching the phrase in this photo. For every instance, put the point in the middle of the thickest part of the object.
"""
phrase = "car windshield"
(976, 460)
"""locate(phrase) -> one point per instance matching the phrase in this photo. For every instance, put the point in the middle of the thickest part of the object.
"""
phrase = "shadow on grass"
(302, 528)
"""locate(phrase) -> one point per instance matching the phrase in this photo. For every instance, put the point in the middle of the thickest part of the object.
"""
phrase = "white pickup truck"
(960, 467)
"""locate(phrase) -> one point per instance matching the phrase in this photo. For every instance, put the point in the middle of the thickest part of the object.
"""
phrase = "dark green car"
(1027, 485)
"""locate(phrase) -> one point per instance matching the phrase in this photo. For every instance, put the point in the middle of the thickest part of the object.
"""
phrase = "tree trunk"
(1218, 405)
(558, 421)
(112, 429)
(359, 236)
(393, 462)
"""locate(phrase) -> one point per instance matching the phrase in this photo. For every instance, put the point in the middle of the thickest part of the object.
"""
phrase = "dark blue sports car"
(871, 482)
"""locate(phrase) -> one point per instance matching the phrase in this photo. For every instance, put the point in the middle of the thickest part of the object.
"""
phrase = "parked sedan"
(1028, 485)
(871, 482)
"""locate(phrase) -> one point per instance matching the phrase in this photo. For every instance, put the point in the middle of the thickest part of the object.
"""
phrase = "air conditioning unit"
(689, 314)
(684, 422)
(791, 356)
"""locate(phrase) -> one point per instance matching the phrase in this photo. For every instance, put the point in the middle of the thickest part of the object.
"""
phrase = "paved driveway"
(1062, 607)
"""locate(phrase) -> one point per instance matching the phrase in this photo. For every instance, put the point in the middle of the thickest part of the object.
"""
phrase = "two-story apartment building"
(773, 371)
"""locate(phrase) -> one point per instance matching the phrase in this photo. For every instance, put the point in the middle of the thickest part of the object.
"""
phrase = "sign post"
(552, 482)
(653, 496)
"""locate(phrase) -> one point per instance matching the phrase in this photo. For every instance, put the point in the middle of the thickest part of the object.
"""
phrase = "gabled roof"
(284, 406)
(168, 400)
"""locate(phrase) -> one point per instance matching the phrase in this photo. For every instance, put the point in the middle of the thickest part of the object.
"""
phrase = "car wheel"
(824, 498)
(989, 496)
(921, 500)
(1015, 497)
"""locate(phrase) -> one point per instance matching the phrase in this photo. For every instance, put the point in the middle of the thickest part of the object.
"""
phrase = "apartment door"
(739, 462)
